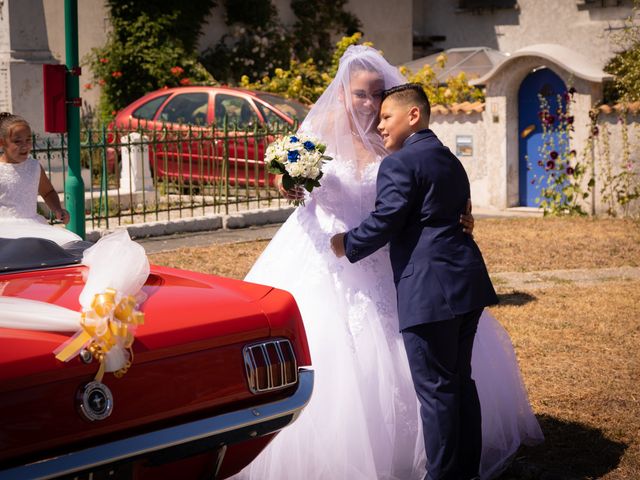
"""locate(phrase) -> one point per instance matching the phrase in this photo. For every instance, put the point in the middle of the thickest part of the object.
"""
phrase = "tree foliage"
(456, 89)
(625, 65)
(304, 81)
(258, 43)
(151, 45)
(316, 25)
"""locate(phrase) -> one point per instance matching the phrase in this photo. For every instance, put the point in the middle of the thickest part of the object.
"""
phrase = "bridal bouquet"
(299, 159)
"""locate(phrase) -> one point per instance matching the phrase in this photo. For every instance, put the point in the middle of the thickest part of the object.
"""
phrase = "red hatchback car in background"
(207, 134)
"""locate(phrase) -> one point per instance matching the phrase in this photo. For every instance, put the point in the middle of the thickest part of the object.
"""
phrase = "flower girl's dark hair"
(8, 121)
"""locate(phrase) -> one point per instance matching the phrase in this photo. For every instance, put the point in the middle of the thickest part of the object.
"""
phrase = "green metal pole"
(74, 187)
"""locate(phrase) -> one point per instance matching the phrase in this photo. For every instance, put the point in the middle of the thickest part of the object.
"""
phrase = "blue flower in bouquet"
(309, 146)
(293, 139)
(293, 156)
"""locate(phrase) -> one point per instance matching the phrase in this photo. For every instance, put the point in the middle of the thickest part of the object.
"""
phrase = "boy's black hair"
(410, 93)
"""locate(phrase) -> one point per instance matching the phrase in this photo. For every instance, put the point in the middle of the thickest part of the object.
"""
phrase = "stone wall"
(613, 157)
(493, 168)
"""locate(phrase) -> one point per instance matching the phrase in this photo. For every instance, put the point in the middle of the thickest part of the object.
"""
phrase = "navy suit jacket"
(438, 269)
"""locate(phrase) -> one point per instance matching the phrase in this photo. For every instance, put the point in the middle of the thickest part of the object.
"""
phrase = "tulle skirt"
(363, 419)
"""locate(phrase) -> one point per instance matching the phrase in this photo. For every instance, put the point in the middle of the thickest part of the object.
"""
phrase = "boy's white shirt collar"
(419, 131)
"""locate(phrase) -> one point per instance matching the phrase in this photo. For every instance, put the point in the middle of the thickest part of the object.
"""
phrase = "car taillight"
(270, 365)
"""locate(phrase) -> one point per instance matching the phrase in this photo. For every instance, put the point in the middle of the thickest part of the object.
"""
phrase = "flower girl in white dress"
(362, 422)
(22, 178)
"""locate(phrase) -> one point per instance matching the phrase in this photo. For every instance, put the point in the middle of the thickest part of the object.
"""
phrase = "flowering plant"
(560, 184)
(299, 160)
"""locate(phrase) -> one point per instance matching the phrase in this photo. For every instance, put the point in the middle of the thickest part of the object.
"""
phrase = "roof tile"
(466, 108)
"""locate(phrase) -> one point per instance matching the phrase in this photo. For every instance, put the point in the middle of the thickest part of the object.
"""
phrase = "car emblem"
(95, 401)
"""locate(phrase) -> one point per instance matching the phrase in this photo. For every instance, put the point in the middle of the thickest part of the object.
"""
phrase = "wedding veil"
(348, 130)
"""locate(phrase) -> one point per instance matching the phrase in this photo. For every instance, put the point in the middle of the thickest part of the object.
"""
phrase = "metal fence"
(145, 174)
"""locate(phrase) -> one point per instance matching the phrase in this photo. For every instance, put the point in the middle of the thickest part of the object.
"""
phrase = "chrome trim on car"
(139, 445)
(260, 351)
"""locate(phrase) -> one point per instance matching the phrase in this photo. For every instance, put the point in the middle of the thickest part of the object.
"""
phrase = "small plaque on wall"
(464, 145)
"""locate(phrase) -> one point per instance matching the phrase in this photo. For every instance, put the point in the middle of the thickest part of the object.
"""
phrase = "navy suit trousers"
(439, 356)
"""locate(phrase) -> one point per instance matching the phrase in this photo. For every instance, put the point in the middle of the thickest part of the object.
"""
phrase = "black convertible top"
(30, 253)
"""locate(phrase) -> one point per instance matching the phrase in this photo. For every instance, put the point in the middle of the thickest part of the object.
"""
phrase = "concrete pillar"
(23, 50)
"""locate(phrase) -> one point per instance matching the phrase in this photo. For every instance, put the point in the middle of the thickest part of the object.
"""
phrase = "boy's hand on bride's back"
(337, 245)
(296, 193)
(466, 220)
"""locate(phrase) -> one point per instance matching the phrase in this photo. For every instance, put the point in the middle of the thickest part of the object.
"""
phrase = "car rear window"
(148, 110)
(288, 106)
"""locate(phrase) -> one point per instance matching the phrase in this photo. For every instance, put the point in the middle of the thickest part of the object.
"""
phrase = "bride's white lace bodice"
(19, 189)
(346, 193)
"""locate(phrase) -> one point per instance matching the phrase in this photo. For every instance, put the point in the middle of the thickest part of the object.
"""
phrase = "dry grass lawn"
(578, 351)
(578, 346)
(530, 244)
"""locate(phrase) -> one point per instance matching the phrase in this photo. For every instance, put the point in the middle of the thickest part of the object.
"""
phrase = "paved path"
(202, 239)
(550, 278)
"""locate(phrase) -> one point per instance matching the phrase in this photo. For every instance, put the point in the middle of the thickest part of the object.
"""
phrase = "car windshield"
(30, 253)
(291, 107)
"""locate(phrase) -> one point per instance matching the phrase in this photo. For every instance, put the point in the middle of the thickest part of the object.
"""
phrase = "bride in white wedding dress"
(363, 419)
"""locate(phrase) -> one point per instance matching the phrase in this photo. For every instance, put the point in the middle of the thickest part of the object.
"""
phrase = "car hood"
(184, 312)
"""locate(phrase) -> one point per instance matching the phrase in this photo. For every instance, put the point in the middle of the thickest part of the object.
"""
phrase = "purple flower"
(309, 146)
(553, 154)
(595, 131)
(551, 165)
(570, 170)
(549, 119)
(293, 156)
(570, 119)
(293, 139)
(540, 164)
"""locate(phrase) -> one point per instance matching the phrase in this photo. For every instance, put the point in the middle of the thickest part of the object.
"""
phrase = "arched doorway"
(545, 82)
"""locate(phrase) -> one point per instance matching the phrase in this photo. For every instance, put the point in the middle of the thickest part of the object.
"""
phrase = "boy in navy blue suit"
(441, 279)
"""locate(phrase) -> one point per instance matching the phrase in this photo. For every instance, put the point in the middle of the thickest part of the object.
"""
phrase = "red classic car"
(186, 128)
(219, 366)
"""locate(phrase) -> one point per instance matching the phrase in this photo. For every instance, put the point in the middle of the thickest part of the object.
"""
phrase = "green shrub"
(457, 89)
(625, 66)
(151, 45)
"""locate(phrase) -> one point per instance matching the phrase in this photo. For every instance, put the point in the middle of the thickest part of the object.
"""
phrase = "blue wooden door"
(531, 164)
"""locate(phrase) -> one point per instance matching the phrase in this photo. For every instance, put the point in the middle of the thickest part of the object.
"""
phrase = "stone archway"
(502, 112)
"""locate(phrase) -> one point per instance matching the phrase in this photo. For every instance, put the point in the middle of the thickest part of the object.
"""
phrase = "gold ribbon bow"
(106, 325)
